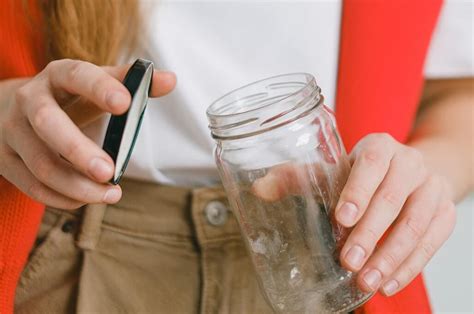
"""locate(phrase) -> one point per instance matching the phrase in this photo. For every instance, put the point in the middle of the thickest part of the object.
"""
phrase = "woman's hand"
(389, 191)
(389, 188)
(43, 152)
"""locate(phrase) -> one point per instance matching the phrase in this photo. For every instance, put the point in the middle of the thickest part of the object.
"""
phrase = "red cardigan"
(382, 51)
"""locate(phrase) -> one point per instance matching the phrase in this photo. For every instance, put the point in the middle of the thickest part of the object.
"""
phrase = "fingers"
(408, 230)
(56, 129)
(46, 131)
(102, 85)
(368, 171)
(85, 112)
(55, 173)
(280, 181)
(163, 82)
(438, 232)
(403, 177)
(276, 184)
(91, 82)
(18, 174)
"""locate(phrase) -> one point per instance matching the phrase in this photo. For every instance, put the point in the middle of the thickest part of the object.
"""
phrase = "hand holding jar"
(296, 197)
(390, 191)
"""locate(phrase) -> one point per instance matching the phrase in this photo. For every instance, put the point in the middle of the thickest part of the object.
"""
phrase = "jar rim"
(311, 80)
(263, 105)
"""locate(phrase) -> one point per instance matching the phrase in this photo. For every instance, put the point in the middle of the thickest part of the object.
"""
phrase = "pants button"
(216, 213)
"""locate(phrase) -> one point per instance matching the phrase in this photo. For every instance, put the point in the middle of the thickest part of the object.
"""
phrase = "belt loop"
(90, 227)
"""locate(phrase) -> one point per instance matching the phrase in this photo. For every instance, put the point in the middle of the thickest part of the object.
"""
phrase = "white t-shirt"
(217, 46)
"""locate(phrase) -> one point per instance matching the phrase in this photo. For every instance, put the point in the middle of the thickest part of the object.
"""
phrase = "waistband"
(153, 210)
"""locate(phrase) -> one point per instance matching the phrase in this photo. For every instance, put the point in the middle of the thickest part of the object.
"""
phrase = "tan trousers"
(161, 249)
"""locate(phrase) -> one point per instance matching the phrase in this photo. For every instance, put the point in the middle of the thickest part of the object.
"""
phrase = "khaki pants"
(160, 250)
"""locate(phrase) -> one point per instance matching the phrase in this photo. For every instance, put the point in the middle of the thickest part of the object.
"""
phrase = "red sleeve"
(20, 216)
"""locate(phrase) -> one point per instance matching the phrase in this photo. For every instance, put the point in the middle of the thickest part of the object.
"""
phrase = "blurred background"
(449, 276)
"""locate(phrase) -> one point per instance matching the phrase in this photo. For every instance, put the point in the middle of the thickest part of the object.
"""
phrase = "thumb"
(279, 182)
(163, 82)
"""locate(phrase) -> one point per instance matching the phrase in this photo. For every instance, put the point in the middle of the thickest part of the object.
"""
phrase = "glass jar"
(283, 167)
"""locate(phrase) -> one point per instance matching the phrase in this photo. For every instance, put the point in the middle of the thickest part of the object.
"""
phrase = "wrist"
(443, 158)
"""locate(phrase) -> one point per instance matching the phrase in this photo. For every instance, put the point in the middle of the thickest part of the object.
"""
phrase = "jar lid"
(122, 130)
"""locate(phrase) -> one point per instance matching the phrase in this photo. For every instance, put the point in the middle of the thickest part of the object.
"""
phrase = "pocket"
(48, 222)
(48, 283)
(53, 228)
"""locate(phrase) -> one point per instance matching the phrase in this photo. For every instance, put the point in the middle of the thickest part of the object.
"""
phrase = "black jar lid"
(122, 130)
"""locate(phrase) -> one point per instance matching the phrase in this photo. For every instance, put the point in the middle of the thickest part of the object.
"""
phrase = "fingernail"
(355, 256)
(112, 196)
(390, 287)
(372, 278)
(347, 214)
(100, 169)
(117, 99)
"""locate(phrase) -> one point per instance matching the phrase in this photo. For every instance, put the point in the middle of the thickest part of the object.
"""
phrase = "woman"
(161, 248)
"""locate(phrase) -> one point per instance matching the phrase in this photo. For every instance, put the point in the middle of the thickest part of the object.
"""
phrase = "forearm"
(444, 133)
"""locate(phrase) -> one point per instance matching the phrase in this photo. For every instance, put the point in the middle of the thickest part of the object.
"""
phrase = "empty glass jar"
(283, 167)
